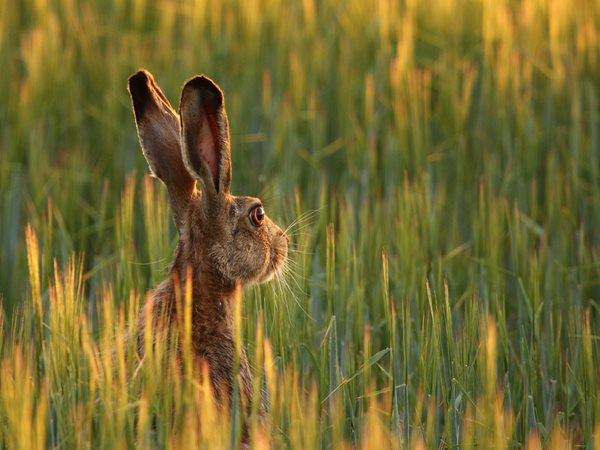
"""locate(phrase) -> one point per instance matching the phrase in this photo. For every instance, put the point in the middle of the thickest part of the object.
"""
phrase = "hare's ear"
(205, 135)
(159, 133)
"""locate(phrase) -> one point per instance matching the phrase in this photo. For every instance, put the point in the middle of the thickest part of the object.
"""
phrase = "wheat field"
(438, 163)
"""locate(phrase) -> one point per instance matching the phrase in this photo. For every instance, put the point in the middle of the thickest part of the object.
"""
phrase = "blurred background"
(442, 157)
(350, 104)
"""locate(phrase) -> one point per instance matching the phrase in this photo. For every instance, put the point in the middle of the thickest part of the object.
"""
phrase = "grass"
(443, 162)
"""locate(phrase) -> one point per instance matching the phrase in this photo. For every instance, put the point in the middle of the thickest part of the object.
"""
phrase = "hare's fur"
(219, 244)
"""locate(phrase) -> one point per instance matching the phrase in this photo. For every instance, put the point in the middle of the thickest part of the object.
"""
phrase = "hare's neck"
(213, 339)
(213, 298)
(213, 323)
(213, 308)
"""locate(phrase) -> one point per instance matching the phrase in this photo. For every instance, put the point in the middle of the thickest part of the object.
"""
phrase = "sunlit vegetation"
(438, 162)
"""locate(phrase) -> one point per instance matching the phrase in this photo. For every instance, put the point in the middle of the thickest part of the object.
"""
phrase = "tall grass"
(444, 287)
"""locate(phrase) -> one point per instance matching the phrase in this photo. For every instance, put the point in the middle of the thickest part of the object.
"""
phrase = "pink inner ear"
(208, 149)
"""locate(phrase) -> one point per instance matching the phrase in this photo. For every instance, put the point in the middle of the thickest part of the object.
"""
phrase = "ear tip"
(204, 84)
(139, 87)
(140, 79)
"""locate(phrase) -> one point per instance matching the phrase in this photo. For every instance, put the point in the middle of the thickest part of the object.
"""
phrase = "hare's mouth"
(276, 261)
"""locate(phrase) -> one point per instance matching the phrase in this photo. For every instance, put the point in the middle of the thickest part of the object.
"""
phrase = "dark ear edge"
(205, 133)
(159, 134)
(139, 87)
(143, 88)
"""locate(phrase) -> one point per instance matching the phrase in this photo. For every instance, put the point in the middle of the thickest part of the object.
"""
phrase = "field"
(438, 163)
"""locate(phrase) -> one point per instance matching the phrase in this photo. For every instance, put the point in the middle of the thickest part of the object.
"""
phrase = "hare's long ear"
(159, 133)
(205, 135)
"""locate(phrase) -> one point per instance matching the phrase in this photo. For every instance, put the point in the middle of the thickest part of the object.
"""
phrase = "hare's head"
(230, 237)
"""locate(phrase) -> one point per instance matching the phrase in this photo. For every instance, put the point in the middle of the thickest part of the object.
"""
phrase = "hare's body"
(225, 241)
(212, 333)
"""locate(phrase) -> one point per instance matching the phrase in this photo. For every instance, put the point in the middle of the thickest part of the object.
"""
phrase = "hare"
(225, 241)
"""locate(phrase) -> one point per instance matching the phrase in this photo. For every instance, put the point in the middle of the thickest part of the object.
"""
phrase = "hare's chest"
(217, 352)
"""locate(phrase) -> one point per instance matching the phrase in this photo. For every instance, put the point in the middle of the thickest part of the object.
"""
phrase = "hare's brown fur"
(219, 244)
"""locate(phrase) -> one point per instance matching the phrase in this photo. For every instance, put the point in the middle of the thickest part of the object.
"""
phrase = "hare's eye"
(257, 216)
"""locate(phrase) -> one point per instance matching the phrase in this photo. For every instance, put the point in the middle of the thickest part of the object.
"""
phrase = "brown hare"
(225, 241)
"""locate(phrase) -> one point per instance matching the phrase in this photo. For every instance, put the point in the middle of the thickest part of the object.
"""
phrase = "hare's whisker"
(302, 219)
